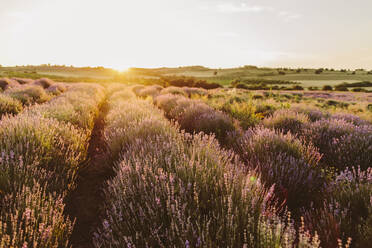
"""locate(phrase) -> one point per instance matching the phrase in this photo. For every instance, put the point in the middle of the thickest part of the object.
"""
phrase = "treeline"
(267, 87)
(261, 81)
(188, 82)
(166, 81)
(355, 87)
(357, 84)
(265, 84)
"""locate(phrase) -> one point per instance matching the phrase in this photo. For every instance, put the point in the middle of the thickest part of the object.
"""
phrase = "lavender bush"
(202, 118)
(6, 83)
(9, 105)
(78, 106)
(56, 89)
(173, 90)
(341, 143)
(166, 102)
(352, 195)
(285, 161)
(44, 82)
(183, 207)
(33, 218)
(192, 91)
(195, 116)
(347, 213)
(152, 90)
(129, 120)
(29, 94)
(23, 80)
(314, 114)
(57, 147)
(121, 94)
(356, 120)
(16, 174)
(286, 121)
(137, 88)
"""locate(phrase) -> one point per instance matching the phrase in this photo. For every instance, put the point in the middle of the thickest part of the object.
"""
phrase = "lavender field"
(130, 165)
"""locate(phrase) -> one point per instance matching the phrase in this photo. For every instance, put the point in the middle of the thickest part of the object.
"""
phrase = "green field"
(306, 77)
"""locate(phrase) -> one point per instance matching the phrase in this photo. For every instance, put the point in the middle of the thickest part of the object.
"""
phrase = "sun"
(120, 67)
(124, 70)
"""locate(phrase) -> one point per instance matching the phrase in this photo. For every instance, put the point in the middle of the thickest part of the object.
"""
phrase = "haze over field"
(214, 33)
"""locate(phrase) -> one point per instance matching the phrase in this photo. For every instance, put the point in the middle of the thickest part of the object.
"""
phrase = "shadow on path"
(85, 202)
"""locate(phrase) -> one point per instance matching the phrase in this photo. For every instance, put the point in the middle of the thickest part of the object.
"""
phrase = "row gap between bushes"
(84, 202)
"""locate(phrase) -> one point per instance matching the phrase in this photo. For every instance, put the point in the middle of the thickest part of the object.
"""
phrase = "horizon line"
(184, 66)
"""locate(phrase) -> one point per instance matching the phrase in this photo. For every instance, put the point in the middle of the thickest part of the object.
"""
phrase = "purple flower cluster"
(286, 120)
(285, 161)
(347, 211)
(195, 116)
(152, 91)
(342, 143)
(350, 118)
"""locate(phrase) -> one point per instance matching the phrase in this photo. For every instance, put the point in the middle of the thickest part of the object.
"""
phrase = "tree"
(297, 87)
(327, 87)
(341, 87)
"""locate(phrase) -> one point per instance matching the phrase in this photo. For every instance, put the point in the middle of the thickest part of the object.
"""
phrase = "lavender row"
(41, 151)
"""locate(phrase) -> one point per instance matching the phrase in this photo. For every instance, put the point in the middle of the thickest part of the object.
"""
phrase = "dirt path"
(85, 202)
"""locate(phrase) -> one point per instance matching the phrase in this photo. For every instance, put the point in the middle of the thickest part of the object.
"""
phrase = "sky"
(214, 33)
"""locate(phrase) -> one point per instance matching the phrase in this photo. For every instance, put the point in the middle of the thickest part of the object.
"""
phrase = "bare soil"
(85, 203)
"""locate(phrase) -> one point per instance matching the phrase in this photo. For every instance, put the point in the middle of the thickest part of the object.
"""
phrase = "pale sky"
(214, 33)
